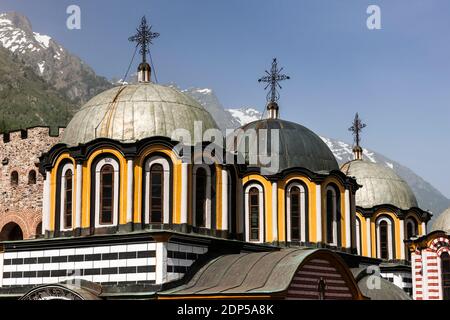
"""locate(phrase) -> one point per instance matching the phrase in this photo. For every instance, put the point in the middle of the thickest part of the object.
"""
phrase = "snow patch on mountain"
(245, 115)
(42, 39)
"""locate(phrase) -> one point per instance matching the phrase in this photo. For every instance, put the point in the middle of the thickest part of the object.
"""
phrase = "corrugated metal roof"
(380, 185)
(134, 112)
(245, 273)
(442, 222)
(298, 147)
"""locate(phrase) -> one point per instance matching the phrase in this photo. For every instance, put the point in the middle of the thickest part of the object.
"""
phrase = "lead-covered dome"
(299, 146)
(380, 185)
(442, 222)
(134, 112)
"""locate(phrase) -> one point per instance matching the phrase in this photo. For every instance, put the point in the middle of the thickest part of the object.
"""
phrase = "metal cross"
(144, 37)
(356, 128)
(272, 79)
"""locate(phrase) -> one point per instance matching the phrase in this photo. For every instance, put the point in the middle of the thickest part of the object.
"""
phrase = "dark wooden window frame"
(254, 192)
(68, 198)
(160, 171)
(106, 169)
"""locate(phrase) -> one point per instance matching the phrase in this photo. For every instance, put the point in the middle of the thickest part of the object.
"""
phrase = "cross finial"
(356, 128)
(273, 79)
(143, 38)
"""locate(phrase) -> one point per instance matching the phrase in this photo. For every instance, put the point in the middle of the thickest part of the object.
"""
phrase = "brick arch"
(27, 221)
(439, 245)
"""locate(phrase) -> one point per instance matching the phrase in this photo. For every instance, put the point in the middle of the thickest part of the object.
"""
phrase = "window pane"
(106, 194)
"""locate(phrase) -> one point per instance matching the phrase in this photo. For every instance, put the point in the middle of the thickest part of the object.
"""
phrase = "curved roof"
(248, 273)
(134, 112)
(442, 222)
(386, 291)
(380, 186)
(299, 146)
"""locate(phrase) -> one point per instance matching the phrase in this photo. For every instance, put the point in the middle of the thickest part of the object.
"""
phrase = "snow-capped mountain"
(63, 71)
(429, 198)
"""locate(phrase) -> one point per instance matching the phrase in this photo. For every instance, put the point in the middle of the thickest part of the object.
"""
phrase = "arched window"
(32, 177)
(296, 220)
(411, 229)
(445, 272)
(358, 236)
(66, 198)
(332, 216)
(157, 192)
(202, 196)
(14, 178)
(106, 193)
(11, 232)
(385, 236)
(39, 230)
(68, 181)
(254, 210)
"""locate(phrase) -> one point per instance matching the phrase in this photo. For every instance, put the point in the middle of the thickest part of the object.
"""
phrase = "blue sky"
(397, 78)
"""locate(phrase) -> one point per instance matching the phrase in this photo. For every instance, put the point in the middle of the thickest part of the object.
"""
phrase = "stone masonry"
(21, 199)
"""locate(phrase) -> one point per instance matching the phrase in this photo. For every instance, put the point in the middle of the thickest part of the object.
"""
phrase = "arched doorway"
(11, 232)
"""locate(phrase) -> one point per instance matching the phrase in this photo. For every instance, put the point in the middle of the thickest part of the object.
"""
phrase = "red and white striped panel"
(438, 243)
(305, 284)
(432, 277)
(416, 259)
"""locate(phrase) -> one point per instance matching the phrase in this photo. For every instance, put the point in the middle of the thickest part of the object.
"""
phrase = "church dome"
(134, 112)
(442, 222)
(299, 146)
(380, 185)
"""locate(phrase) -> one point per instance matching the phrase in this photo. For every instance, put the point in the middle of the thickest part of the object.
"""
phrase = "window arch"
(32, 177)
(385, 238)
(411, 228)
(445, 275)
(14, 178)
(157, 190)
(106, 193)
(333, 217)
(66, 203)
(254, 213)
(202, 196)
(358, 226)
(296, 212)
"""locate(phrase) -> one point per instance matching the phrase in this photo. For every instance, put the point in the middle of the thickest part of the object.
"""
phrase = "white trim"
(368, 237)
(319, 214)
(334, 216)
(208, 195)
(390, 243)
(98, 167)
(130, 188)
(166, 187)
(161, 263)
(184, 193)
(302, 211)
(67, 167)
(78, 195)
(424, 228)
(46, 204)
(230, 206)
(358, 235)
(348, 238)
(261, 213)
(274, 211)
(225, 196)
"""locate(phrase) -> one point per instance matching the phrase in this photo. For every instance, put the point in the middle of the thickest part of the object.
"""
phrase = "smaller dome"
(299, 146)
(380, 185)
(442, 222)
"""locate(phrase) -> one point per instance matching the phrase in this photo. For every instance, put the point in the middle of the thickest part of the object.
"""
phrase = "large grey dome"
(134, 112)
(299, 146)
(380, 185)
(442, 222)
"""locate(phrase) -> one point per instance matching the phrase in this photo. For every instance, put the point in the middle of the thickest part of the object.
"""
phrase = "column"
(402, 237)
(130, 185)
(424, 228)
(184, 193)
(369, 237)
(224, 199)
(348, 221)
(46, 204)
(78, 197)
(318, 214)
(275, 211)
